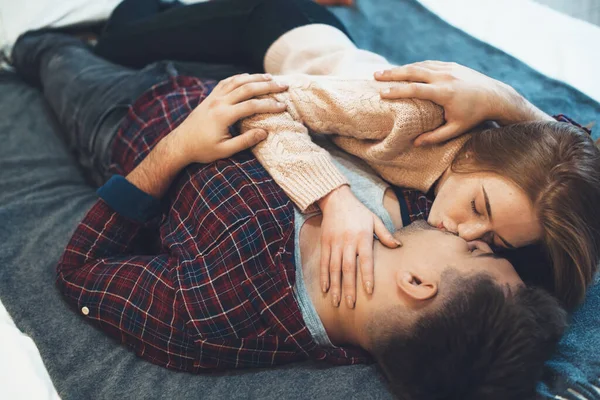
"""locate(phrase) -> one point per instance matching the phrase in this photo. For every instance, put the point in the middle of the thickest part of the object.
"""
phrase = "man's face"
(415, 271)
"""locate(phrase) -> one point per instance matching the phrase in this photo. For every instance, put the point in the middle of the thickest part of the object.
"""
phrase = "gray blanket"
(43, 196)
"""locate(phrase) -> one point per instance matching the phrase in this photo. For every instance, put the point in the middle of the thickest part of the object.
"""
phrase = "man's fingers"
(349, 275)
(410, 91)
(255, 106)
(410, 72)
(232, 83)
(254, 89)
(241, 142)
(325, 256)
(335, 271)
(434, 65)
(226, 82)
(384, 236)
(365, 264)
(446, 132)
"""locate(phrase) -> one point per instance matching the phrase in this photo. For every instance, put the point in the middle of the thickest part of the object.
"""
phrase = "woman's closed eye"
(474, 208)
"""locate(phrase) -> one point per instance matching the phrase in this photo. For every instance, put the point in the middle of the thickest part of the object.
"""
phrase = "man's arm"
(128, 205)
(515, 108)
(104, 271)
(467, 96)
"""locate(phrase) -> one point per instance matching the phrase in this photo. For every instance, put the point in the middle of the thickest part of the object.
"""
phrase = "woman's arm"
(308, 175)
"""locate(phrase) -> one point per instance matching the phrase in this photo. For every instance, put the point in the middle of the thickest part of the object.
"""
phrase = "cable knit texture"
(343, 102)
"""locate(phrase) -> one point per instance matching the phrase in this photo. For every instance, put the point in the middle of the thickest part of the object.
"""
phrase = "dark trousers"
(223, 31)
(91, 95)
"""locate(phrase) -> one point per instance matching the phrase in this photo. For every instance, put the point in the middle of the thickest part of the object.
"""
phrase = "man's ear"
(416, 287)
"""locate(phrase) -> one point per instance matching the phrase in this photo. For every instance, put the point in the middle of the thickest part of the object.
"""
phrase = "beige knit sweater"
(344, 103)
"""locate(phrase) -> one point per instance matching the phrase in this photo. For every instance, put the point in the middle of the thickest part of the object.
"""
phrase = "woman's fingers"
(335, 272)
(325, 257)
(255, 106)
(384, 236)
(421, 91)
(410, 72)
(365, 263)
(349, 275)
(254, 89)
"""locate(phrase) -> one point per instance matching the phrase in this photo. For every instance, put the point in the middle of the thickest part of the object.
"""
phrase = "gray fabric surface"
(43, 196)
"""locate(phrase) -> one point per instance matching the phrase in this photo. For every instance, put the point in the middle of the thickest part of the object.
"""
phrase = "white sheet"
(553, 43)
(22, 372)
(560, 46)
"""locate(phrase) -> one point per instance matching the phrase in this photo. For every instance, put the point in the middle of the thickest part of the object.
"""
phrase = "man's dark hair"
(477, 344)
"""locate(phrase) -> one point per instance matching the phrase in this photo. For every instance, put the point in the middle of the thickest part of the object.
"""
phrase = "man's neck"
(342, 324)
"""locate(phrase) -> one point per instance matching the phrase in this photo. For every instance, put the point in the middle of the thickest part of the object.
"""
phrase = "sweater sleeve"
(319, 49)
(304, 170)
(350, 110)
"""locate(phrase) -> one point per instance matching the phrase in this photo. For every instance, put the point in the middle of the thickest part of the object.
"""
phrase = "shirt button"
(85, 310)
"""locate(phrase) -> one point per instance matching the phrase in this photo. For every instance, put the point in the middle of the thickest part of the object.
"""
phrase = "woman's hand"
(347, 231)
(467, 96)
(204, 136)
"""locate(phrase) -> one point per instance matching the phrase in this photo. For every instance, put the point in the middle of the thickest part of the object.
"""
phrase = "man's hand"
(347, 231)
(467, 96)
(204, 136)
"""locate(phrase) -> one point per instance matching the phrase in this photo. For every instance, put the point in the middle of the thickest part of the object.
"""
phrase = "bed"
(48, 351)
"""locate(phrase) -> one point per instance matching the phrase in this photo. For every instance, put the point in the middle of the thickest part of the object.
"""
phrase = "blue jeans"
(227, 31)
(89, 95)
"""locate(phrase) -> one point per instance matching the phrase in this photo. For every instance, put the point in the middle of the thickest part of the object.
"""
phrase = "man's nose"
(472, 230)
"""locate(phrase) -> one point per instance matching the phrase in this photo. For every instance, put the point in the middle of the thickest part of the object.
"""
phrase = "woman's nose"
(472, 231)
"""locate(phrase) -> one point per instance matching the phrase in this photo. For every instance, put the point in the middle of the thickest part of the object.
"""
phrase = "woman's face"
(484, 206)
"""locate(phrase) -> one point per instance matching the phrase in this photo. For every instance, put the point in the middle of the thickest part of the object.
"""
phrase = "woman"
(534, 191)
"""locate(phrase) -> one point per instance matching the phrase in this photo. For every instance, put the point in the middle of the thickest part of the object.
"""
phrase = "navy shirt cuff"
(128, 200)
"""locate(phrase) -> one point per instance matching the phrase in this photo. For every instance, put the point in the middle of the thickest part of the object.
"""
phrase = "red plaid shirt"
(208, 283)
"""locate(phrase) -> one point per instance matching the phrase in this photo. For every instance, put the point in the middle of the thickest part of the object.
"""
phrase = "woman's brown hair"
(558, 166)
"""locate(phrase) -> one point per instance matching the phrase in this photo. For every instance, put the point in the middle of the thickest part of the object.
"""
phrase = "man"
(205, 278)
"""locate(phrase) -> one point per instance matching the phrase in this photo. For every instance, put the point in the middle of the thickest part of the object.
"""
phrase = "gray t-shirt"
(369, 189)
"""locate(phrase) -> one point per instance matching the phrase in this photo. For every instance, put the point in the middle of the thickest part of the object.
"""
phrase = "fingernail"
(386, 91)
(261, 135)
(336, 300)
(378, 73)
(267, 76)
(369, 286)
(350, 301)
(282, 85)
(324, 286)
(280, 104)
